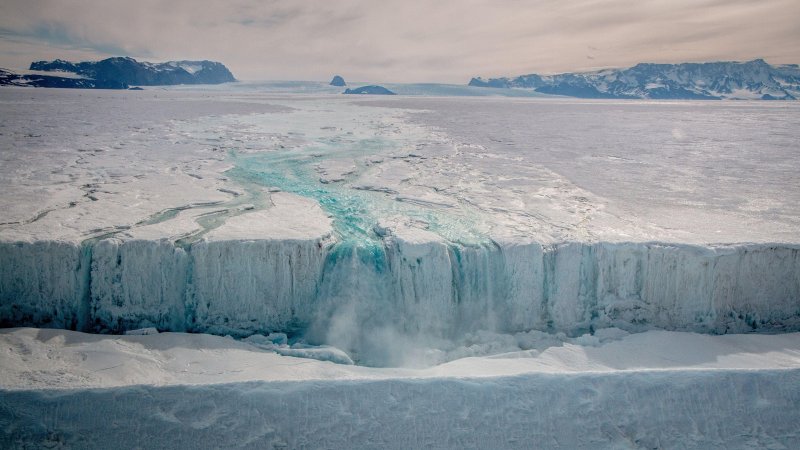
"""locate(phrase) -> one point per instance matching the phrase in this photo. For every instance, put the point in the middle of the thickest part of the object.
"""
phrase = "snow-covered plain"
(405, 234)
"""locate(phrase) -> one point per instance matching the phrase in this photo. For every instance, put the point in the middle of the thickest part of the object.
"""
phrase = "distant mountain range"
(714, 80)
(117, 73)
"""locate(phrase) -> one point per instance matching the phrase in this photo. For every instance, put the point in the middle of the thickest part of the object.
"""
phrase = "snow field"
(642, 409)
(655, 389)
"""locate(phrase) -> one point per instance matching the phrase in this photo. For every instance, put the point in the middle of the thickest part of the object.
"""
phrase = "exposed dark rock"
(338, 81)
(707, 81)
(132, 72)
(118, 73)
(9, 78)
(370, 90)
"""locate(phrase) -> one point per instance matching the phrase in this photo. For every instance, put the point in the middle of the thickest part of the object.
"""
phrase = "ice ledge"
(409, 287)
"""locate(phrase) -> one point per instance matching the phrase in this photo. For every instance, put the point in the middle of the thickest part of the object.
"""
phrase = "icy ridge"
(358, 297)
(713, 80)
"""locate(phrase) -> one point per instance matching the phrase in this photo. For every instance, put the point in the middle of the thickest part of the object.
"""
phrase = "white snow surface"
(62, 359)
(544, 170)
(51, 73)
(655, 389)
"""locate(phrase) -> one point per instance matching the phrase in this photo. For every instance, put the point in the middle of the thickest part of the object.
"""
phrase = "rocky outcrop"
(9, 78)
(135, 73)
(370, 90)
(117, 73)
(338, 81)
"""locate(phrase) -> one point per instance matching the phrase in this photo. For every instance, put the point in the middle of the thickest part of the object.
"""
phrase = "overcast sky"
(401, 40)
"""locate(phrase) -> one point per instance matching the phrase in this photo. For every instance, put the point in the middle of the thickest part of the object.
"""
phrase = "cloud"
(394, 40)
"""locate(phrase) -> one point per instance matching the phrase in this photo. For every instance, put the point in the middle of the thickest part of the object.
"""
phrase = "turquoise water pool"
(354, 212)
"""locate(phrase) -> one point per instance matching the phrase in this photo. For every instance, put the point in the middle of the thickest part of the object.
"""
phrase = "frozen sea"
(445, 268)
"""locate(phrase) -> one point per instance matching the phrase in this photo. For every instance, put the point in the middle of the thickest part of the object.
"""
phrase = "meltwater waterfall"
(355, 296)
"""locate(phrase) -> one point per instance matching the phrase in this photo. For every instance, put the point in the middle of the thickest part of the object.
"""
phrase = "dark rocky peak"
(370, 90)
(338, 81)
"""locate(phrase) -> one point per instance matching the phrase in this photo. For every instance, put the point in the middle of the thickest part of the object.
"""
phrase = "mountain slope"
(117, 73)
(59, 79)
(132, 72)
(716, 80)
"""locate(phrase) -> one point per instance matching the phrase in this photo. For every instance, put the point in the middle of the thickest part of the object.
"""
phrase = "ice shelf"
(355, 297)
(361, 224)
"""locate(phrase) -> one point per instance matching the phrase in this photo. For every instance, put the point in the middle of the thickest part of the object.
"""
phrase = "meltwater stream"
(384, 298)
(374, 294)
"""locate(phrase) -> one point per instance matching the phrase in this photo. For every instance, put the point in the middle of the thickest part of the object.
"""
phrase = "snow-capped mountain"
(55, 79)
(119, 73)
(715, 80)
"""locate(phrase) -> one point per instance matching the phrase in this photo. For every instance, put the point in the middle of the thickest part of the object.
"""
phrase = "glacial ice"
(369, 226)
(516, 261)
(354, 297)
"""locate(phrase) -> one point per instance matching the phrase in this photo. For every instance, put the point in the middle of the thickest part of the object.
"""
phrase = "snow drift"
(705, 409)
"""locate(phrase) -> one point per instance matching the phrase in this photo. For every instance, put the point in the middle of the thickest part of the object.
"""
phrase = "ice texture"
(138, 284)
(44, 283)
(360, 299)
(242, 287)
(653, 389)
(382, 225)
(702, 410)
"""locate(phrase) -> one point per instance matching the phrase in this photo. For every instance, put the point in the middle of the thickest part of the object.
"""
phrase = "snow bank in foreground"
(656, 389)
(365, 299)
(50, 358)
(700, 409)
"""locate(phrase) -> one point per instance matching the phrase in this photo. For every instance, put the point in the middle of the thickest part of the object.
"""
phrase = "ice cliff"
(355, 296)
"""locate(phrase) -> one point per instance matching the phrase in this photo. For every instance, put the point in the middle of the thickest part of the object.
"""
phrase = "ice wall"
(246, 287)
(138, 284)
(355, 295)
(44, 283)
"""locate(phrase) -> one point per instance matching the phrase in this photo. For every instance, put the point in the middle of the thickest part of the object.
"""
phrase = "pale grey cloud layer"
(395, 40)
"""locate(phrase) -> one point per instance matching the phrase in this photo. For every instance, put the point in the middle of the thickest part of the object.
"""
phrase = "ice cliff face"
(357, 297)
(749, 80)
